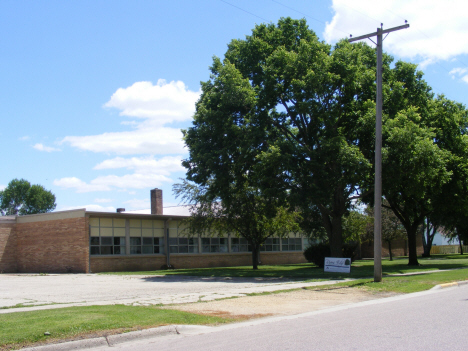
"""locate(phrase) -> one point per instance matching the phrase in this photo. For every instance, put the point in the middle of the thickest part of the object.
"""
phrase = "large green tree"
(22, 198)
(425, 154)
(288, 110)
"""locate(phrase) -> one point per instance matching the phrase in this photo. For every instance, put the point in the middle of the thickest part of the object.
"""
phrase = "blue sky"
(93, 93)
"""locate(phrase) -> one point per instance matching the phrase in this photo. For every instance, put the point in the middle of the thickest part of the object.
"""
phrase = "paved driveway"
(59, 290)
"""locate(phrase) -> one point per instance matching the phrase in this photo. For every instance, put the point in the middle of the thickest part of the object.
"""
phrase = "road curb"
(110, 340)
(450, 285)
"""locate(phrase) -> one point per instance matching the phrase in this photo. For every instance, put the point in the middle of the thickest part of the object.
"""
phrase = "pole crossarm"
(367, 36)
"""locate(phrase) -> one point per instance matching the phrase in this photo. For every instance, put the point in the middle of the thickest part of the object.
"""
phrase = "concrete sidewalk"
(36, 292)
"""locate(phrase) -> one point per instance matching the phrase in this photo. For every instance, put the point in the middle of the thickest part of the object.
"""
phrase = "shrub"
(317, 253)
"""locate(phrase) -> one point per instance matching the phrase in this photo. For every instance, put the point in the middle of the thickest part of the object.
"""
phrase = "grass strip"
(25, 328)
(401, 284)
(359, 269)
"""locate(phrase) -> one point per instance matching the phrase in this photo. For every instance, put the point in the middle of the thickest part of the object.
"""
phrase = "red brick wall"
(55, 246)
(399, 248)
(8, 248)
(146, 263)
(126, 263)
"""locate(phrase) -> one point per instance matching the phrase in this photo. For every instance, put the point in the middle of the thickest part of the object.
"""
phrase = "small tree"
(22, 198)
(246, 213)
(392, 229)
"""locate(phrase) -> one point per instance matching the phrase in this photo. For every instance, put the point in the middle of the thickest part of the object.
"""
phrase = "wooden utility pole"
(378, 149)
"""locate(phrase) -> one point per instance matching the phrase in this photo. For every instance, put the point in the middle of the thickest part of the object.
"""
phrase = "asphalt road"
(432, 320)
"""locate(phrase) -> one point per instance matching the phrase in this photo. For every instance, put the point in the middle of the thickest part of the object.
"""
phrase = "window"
(291, 244)
(107, 236)
(214, 244)
(146, 237)
(240, 245)
(183, 245)
(271, 244)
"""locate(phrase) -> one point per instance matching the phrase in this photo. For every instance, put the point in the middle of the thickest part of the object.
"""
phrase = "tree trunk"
(428, 238)
(460, 243)
(336, 239)
(412, 246)
(332, 222)
(254, 256)
(390, 249)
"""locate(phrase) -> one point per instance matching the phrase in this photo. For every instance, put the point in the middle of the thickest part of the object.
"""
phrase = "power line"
(250, 13)
(306, 15)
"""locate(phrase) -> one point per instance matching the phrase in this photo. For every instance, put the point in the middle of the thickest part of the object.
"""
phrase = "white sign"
(335, 264)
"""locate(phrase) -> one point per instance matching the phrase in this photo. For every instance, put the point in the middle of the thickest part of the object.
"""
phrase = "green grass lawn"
(359, 269)
(24, 328)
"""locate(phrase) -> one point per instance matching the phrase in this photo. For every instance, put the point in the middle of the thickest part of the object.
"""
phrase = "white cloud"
(458, 71)
(137, 204)
(42, 147)
(438, 29)
(154, 106)
(148, 173)
(461, 73)
(102, 200)
(141, 141)
(112, 182)
(2, 187)
(163, 166)
(163, 102)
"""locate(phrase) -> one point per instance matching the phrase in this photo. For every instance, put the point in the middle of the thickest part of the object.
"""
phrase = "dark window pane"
(214, 241)
(135, 250)
(183, 249)
(214, 248)
(206, 248)
(173, 241)
(223, 248)
(222, 241)
(94, 240)
(156, 249)
(235, 241)
(106, 250)
(94, 250)
(193, 241)
(156, 241)
(147, 241)
(119, 240)
(183, 241)
(174, 249)
(118, 251)
(135, 241)
(205, 241)
(193, 249)
(106, 240)
(147, 249)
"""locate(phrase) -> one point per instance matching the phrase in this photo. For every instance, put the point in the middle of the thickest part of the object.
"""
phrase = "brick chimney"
(156, 201)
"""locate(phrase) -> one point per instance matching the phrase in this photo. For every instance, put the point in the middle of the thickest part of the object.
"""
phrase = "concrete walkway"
(34, 292)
